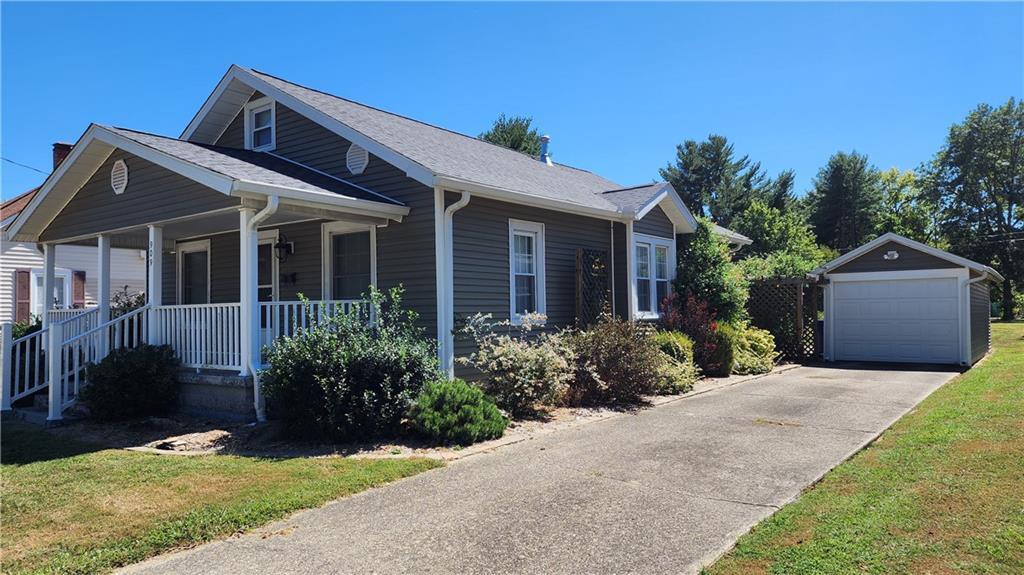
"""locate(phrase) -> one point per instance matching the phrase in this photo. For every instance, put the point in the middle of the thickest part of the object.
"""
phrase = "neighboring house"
(21, 267)
(275, 190)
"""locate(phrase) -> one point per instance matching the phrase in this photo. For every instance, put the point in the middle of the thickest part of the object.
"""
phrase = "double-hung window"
(653, 268)
(526, 269)
(260, 133)
(349, 260)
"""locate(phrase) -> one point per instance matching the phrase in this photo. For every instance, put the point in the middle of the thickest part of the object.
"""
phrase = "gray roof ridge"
(631, 188)
(411, 119)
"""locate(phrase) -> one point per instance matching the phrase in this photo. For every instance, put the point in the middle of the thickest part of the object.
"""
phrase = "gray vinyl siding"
(481, 260)
(405, 251)
(224, 265)
(980, 308)
(655, 223)
(153, 194)
(909, 259)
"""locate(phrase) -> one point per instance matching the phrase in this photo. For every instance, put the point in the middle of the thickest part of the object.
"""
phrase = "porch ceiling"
(224, 221)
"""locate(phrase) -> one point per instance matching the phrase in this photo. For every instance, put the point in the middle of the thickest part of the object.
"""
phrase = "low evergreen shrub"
(452, 411)
(675, 344)
(131, 383)
(722, 340)
(346, 378)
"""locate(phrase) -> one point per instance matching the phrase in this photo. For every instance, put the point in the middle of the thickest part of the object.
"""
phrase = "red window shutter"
(78, 289)
(22, 295)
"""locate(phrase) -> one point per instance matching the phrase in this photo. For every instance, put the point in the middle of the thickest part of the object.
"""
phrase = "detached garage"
(897, 300)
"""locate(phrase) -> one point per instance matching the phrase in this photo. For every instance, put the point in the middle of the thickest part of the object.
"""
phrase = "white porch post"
(103, 286)
(154, 282)
(49, 264)
(630, 273)
(249, 328)
(55, 372)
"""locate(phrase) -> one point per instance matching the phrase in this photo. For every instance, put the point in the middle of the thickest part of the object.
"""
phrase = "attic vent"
(357, 158)
(119, 177)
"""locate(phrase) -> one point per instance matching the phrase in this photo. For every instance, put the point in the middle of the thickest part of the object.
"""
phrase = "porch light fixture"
(284, 248)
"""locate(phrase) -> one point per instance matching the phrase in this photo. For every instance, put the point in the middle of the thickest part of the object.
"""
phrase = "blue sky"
(617, 86)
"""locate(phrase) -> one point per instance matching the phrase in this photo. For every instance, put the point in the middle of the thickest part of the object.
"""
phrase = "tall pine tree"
(843, 208)
(515, 133)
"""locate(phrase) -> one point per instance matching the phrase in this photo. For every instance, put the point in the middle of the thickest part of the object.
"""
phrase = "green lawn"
(69, 507)
(940, 492)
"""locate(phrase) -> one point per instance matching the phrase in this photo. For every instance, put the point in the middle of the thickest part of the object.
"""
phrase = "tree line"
(968, 198)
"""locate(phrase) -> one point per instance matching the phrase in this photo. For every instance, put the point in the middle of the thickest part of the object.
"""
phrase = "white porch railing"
(66, 314)
(285, 318)
(28, 365)
(89, 346)
(203, 335)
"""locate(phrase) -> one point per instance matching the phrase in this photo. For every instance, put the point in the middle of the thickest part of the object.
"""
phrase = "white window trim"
(188, 248)
(540, 270)
(269, 237)
(34, 289)
(251, 108)
(654, 242)
(327, 231)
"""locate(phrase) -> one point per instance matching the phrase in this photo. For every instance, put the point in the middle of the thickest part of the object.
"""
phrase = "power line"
(25, 166)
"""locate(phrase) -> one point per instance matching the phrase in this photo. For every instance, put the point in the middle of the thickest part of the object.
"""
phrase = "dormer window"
(260, 133)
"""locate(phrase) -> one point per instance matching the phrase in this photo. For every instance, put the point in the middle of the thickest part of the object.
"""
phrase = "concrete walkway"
(665, 490)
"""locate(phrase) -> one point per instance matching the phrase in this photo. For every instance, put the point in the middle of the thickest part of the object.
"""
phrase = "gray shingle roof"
(631, 200)
(251, 166)
(455, 155)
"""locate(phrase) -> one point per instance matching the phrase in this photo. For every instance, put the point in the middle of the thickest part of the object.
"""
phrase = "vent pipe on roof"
(544, 155)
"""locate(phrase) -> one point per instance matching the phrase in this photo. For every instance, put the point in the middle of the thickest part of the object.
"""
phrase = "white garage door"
(896, 320)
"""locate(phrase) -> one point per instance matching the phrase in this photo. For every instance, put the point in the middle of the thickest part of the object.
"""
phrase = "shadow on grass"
(22, 443)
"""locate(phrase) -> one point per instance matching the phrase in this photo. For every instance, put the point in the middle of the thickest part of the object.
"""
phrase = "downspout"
(449, 277)
(257, 394)
(611, 253)
(966, 286)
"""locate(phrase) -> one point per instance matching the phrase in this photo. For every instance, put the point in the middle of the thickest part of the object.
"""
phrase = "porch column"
(248, 266)
(49, 264)
(103, 285)
(154, 282)
(631, 299)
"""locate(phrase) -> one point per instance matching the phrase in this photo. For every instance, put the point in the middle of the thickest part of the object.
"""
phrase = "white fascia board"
(320, 199)
(899, 275)
(893, 237)
(411, 168)
(677, 212)
(513, 197)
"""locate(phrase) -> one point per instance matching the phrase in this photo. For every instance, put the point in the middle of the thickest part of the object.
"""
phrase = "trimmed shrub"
(617, 363)
(131, 383)
(719, 362)
(348, 379)
(452, 411)
(676, 345)
(754, 350)
(521, 369)
(693, 317)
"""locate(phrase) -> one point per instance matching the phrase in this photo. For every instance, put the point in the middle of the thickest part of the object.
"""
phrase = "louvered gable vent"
(119, 177)
(357, 158)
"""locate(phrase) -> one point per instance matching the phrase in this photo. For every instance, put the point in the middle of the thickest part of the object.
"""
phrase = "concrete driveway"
(664, 490)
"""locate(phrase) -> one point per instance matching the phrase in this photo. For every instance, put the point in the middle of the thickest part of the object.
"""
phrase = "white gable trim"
(412, 169)
(892, 237)
(673, 207)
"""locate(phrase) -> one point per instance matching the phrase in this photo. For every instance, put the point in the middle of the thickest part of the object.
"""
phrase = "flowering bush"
(521, 368)
(692, 317)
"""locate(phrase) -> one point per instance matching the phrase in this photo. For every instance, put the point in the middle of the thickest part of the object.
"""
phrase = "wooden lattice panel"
(789, 310)
(593, 285)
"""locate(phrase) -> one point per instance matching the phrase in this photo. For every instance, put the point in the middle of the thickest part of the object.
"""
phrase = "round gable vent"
(357, 158)
(119, 177)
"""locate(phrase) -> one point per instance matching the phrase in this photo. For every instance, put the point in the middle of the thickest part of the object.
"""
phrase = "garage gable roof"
(892, 237)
